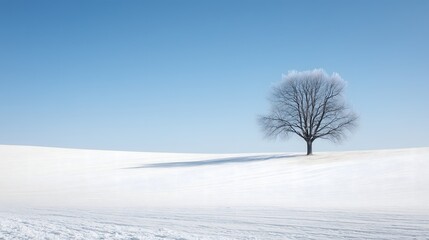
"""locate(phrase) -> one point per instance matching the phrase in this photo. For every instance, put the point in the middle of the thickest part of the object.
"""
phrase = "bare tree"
(309, 104)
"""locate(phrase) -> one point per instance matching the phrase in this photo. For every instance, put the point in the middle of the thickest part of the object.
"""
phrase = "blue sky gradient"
(192, 76)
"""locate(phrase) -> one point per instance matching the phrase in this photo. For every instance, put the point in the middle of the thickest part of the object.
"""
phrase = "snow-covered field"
(85, 194)
(222, 223)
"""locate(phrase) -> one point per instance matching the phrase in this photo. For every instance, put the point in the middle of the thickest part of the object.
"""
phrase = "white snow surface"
(59, 193)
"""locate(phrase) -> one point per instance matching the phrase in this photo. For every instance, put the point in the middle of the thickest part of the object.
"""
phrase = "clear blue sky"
(192, 76)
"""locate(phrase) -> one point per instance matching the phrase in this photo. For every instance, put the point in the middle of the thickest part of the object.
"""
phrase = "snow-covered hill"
(388, 181)
(85, 178)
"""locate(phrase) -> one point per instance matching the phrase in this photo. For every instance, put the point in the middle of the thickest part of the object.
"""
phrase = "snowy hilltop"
(55, 193)
(384, 179)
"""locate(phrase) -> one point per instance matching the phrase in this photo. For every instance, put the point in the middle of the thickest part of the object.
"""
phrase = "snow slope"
(86, 178)
(87, 194)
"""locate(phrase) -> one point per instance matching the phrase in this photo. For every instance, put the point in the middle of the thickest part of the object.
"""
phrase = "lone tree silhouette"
(309, 104)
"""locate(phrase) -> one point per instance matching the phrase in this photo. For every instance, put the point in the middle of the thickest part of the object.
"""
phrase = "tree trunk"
(309, 147)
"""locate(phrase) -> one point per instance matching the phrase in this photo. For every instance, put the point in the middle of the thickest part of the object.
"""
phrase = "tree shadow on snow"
(217, 161)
